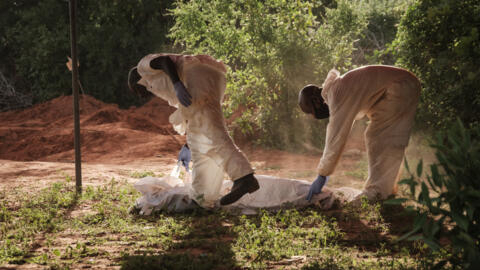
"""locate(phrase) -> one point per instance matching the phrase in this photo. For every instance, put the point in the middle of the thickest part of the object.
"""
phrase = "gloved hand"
(185, 156)
(182, 94)
(317, 186)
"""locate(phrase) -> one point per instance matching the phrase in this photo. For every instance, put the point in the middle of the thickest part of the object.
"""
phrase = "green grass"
(57, 229)
(141, 174)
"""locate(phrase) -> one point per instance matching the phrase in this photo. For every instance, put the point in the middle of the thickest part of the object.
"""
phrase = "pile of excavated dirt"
(108, 134)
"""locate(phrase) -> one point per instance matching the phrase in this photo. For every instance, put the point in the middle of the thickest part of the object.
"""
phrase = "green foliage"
(449, 197)
(274, 48)
(57, 229)
(439, 41)
(382, 16)
(283, 235)
(142, 174)
(38, 43)
(112, 37)
(366, 211)
(42, 213)
(7, 60)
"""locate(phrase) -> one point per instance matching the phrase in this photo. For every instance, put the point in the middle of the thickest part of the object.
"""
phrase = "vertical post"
(76, 113)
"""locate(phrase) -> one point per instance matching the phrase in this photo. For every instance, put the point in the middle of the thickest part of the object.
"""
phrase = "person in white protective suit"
(388, 96)
(195, 85)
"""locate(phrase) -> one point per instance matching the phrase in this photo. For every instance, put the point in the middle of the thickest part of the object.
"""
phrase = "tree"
(274, 48)
(112, 37)
(383, 16)
(439, 41)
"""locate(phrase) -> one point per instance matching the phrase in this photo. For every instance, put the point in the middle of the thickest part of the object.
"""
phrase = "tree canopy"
(272, 47)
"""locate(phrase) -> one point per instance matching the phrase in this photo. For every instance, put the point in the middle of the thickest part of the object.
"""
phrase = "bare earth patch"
(118, 147)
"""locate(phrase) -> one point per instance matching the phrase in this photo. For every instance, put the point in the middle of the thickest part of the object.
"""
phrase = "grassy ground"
(55, 228)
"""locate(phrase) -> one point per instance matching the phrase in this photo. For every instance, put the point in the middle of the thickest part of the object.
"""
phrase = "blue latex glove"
(185, 156)
(317, 186)
(182, 94)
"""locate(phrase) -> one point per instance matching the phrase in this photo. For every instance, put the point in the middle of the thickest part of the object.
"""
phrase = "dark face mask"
(320, 108)
(311, 102)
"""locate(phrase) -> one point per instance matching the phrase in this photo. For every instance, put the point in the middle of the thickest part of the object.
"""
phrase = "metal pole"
(76, 113)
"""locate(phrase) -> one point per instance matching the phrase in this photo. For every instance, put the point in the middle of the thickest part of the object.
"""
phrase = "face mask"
(320, 108)
(311, 101)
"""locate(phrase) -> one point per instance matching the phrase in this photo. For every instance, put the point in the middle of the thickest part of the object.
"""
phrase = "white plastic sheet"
(171, 194)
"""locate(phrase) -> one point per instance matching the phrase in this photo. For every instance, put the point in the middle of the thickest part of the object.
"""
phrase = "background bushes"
(447, 205)
(273, 48)
(439, 41)
(112, 37)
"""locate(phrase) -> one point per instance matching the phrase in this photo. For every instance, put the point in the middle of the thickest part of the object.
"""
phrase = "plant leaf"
(420, 168)
(395, 201)
(461, 221)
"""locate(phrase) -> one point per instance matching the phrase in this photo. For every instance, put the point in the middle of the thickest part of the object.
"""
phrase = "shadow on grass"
(371, 232)
(206, 246)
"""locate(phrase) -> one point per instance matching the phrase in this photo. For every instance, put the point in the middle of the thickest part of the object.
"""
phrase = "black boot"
(246, 184)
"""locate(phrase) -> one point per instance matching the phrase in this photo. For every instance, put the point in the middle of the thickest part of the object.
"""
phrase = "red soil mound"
(45, 131)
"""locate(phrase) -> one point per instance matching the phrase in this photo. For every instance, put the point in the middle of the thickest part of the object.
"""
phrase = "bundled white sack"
(277, 193)
(171, 194)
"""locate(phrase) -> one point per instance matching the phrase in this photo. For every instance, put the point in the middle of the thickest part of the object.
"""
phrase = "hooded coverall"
(213, 150)
(389, 97)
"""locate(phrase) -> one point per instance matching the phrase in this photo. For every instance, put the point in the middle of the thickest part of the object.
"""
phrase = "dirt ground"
(36, 149)
(36, 146)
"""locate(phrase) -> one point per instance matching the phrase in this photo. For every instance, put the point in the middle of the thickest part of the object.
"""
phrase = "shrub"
(439, 41)
(274, 48)
(112, 37)
(448, 204)
(374, 44)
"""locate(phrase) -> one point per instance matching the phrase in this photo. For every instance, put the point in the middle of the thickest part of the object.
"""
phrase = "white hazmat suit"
(388, 96)
(213, 150)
